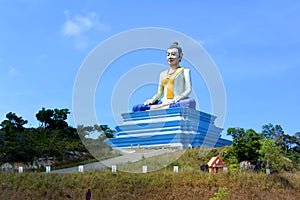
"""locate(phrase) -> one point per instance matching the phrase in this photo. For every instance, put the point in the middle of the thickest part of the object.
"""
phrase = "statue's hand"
(177, 99)
(149, 101)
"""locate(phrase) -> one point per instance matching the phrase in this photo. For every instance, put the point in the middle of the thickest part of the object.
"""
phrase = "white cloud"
(78, 25)
(12, 71)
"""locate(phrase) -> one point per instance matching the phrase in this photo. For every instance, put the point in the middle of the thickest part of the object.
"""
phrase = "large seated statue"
(174, 85)
(179, 125)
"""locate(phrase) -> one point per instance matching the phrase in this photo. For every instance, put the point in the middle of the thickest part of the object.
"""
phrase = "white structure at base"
(144, 169)
(113, 168)
(80, 168)
(48, 169)
(21, 169)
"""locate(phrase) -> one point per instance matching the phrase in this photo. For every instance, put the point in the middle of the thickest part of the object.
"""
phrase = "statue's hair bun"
(175, 43)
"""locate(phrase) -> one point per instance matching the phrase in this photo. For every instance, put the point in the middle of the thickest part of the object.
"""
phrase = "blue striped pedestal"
(175, 127)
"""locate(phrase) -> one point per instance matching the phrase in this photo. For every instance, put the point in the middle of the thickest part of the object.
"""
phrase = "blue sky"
(255, 45)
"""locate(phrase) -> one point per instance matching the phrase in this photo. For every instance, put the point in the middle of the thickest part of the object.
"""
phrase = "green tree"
(270, 155)
(14, 148)
(274, 133)
(109, 133)
(45, 117)
(245, 144)
(84, 131)
(230, 158)
(291, 149)
(55, 136)
(53, 119)
(96, 145)
(297, 146)
(288, 144)
(13, 123)
(104, 131)
(297, 135)
(1, 139)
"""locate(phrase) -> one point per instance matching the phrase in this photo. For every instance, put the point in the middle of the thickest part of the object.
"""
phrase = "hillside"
(188, 183)
(157, 185)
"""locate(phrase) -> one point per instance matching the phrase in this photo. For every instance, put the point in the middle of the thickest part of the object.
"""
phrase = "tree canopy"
(53, 138)
(245, 143)
(53, 119)
(272, 148)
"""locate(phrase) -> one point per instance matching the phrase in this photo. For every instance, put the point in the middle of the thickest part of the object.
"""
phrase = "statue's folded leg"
(184, 103)
(142, 107)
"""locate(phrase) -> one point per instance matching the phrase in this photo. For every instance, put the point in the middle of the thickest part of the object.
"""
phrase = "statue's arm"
(158, 94)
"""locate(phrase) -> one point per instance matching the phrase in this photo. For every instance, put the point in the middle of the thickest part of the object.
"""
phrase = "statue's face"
(173, 57)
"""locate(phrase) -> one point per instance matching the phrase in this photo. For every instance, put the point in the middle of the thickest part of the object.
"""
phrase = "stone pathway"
(128, 156)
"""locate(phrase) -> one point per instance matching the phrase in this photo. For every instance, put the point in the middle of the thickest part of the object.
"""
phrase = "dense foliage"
(272, 148)
(53, 138)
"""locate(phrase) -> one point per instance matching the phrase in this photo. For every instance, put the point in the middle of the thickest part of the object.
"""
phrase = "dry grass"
(157, 185)
(189, 183)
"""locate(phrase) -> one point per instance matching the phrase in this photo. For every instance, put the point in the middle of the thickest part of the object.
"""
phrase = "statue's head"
(174, 54)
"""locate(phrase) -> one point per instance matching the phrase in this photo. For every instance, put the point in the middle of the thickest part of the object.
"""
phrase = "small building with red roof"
(216, 164)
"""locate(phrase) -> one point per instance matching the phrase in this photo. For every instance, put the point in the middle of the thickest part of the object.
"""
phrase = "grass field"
(188, 183)
(164, 184)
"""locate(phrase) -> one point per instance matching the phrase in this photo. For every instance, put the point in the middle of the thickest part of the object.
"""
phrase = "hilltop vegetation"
(188, 183)
(53, 140)
(271, 149)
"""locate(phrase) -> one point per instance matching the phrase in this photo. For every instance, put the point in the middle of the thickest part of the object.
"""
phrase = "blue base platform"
(174, 127)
